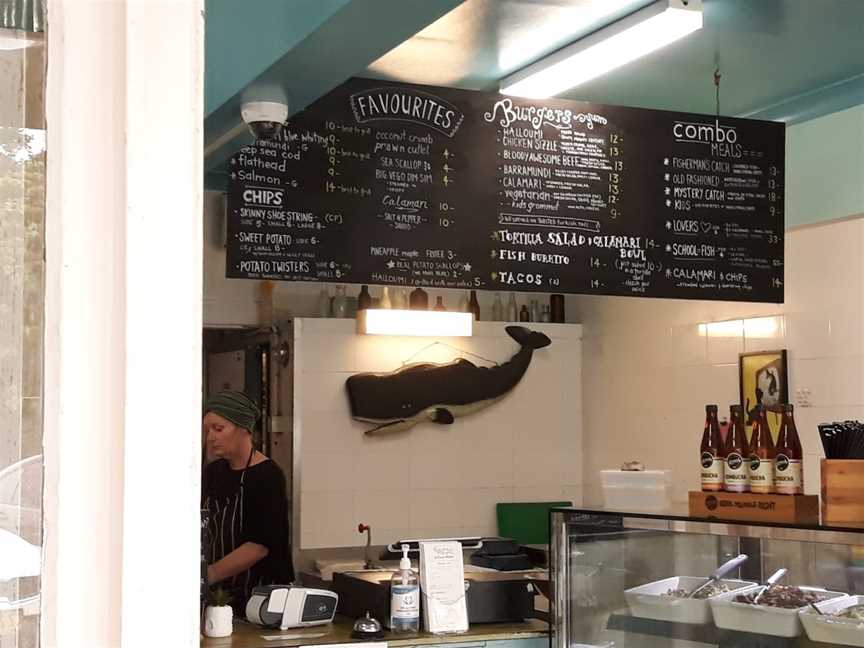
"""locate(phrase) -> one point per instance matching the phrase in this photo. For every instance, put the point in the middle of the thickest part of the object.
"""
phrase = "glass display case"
(628, 579)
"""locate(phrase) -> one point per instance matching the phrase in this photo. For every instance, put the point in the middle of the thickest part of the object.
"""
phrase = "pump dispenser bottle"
(404, 597)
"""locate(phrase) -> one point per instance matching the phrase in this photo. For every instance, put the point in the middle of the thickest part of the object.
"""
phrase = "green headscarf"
(236, 407)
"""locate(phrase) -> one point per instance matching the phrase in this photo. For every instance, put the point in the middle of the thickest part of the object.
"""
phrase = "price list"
(410, 185)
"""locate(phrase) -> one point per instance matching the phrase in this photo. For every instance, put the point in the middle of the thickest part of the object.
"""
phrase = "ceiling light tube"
(625, 40)
(379, 321)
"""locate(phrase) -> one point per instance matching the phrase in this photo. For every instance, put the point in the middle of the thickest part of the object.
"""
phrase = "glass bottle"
(737, 453)
(788, 473)
(401, 299)
(711, 452)
(364, 299)
(439, 304)
(463, 304)
(474, 305)
(404, 597)
(385, 299)
(419, 299)
(497, 309)
(535, 311)
(545, 316)
(340, 302)
(761, 454)
(512, 309)
(524, 315)
(325, 307)
(556, 304)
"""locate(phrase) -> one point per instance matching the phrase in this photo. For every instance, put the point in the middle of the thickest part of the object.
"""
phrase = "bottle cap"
(405, 561)
(735, 409)
(710, 408)
(788, 408)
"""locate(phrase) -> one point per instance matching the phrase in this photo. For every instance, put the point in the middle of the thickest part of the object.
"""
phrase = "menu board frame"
(405, 185)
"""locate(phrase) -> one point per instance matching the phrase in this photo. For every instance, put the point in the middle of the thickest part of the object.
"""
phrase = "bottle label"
(737, 473)
(761, 474)
(712, 469)
(405, 602)
(788, 475)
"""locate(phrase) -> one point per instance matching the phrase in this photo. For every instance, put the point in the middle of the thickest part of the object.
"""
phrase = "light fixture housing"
(606, 49)
(422, 323)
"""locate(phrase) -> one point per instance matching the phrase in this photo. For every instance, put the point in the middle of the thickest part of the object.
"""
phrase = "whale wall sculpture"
(439, 393)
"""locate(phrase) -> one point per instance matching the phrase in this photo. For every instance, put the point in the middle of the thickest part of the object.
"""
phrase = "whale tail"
(528, 338)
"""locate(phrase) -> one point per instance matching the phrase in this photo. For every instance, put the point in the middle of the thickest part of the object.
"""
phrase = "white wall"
(650, 366)
(434, 480)
(123, 323)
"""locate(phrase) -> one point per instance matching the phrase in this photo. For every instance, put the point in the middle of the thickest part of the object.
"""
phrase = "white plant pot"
(218, 621)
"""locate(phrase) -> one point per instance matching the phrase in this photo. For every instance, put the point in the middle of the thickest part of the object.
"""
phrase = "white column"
(123, 322)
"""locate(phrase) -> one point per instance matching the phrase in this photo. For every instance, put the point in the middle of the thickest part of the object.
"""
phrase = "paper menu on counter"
(442, 582)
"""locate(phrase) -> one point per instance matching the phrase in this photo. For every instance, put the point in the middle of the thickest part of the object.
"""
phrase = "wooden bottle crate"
(843, 492)
(754, 507)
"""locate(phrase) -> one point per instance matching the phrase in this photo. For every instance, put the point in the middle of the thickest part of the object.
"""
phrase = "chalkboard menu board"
(406, 185)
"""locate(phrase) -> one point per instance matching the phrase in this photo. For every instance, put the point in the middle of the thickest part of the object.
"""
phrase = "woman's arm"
(236, 562)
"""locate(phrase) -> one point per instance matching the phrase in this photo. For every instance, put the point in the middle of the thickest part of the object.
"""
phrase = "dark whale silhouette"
(401, 399)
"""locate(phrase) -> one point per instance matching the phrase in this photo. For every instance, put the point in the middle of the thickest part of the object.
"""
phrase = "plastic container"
(834, 630)
(631, 490)
(760, 619)
(649, 601)
(404, 597)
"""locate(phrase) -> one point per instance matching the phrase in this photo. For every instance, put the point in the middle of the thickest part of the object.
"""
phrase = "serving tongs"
(720, 572)
(771, 582)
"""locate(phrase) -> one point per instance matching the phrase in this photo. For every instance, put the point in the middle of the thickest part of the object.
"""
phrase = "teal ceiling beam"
(821, 101)
(341, 46)
(243, 39)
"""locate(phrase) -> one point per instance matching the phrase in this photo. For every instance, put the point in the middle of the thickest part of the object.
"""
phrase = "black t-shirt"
(264, 515)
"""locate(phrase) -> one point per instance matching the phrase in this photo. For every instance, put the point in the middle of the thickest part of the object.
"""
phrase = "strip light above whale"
(439, 393)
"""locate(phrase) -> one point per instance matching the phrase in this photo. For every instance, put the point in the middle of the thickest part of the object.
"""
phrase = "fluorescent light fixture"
(379, 321)
(754, 327)
(725, 329)
(763, 327)
(623, 41)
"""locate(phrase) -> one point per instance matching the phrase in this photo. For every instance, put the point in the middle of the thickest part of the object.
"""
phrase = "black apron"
(225, 527)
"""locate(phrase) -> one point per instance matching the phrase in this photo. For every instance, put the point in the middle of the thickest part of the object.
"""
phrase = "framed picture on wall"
(763, 378)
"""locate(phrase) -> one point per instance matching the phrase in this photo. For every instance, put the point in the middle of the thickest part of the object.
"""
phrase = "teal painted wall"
(241, 41)
(825, 168)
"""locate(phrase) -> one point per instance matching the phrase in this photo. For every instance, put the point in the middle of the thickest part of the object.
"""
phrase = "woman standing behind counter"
(244, 494)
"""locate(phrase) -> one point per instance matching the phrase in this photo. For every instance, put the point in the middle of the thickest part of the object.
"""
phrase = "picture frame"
(763, 377)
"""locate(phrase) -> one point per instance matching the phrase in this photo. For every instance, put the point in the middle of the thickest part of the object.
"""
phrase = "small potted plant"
(218, 616)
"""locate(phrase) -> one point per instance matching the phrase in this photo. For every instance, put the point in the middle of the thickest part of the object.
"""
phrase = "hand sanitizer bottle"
(404, 597)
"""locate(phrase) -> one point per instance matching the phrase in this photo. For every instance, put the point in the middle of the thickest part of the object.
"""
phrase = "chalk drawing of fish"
(439, 393)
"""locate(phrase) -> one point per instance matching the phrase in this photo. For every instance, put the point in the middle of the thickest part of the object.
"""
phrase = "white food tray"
(834, 630)
(759, 619)
(649, 601)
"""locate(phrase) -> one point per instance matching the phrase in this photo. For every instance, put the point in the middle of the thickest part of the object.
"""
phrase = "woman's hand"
(236, 562)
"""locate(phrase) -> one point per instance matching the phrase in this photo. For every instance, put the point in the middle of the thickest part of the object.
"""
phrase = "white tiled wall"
(434, 480)
(650, 366)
